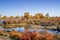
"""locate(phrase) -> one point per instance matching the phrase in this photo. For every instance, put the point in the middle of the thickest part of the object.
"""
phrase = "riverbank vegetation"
(28, 35)
(27, 19)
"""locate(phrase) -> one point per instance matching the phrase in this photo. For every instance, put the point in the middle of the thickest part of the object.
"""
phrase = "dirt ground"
(4, 38)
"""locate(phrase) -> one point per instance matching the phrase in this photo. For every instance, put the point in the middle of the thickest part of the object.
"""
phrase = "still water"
(22, 30)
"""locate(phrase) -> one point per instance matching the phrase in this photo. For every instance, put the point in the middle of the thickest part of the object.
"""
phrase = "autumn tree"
(47, 15)
(11, 19)
(4, 17)
(27, 15)
(39, 15)
(17, 17)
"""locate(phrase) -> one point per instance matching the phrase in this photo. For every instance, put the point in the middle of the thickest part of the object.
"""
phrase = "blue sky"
(19, 7)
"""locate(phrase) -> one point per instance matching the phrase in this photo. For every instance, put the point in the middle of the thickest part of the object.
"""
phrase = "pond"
(21, 29)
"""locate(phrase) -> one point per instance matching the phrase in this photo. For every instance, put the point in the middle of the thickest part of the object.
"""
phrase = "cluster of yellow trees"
(28, 16)
(37, 16)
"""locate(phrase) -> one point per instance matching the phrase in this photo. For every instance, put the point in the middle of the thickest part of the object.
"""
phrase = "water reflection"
(21, 29)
